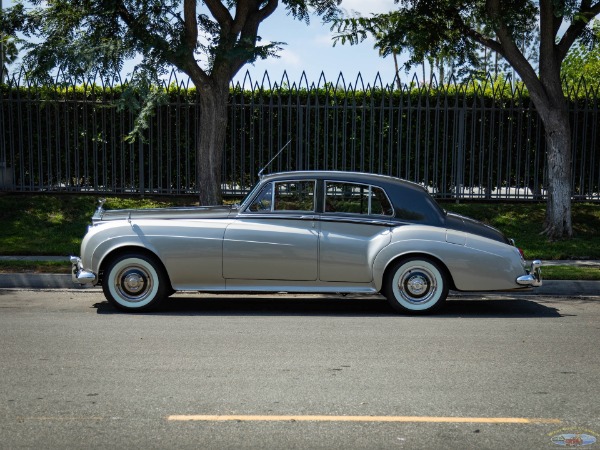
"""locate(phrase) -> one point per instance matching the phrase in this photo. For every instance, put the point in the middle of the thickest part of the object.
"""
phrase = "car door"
(276, 237)
(354, 229)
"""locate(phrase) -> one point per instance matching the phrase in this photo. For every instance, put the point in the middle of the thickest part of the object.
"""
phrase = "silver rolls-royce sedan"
(311, 232)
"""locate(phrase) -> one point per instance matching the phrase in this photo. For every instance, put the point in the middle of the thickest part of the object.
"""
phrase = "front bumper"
(79, 275)
(534, 275)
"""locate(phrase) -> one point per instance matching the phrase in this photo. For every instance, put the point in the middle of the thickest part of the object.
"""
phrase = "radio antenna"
(260, 173)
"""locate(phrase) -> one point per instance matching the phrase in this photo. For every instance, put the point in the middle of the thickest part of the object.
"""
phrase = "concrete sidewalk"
(63, 281)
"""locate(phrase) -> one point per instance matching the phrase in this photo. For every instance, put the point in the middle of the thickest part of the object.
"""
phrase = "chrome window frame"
(283, 211)
(370, 186)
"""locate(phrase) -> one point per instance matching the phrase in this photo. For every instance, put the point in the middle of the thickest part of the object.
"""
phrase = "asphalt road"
(297, 372)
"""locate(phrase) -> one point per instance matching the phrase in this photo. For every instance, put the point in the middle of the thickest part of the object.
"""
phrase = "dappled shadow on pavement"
(367, 306)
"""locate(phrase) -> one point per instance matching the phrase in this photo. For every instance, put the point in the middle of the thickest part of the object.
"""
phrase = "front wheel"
(135, 282)
(416, 285)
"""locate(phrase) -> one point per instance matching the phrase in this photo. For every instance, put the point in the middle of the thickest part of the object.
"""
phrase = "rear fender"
(484, 266)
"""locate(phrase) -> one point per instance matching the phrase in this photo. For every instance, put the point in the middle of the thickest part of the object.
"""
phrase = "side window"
(356, 199)
(347, 198)
(285, 196)
(295, 196)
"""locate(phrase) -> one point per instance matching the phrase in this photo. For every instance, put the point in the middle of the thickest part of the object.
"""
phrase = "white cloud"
(288, 58)
(366, 8)
(323, 40)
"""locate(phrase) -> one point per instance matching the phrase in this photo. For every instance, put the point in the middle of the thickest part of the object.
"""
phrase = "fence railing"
(471, 140)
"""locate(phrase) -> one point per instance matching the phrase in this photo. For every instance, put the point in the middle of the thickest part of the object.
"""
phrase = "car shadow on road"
(367, 306)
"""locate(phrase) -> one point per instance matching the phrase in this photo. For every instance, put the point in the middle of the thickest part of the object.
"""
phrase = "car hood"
(468, 225)
(201, 212)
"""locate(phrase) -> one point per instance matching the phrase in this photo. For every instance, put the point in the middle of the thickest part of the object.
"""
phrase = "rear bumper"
(534, 275)
(79, 275)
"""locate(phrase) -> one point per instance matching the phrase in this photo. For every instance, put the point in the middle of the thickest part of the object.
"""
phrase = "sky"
(309, 50)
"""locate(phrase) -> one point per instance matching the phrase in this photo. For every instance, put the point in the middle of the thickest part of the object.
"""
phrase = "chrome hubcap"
(417, 285)
(134, 283)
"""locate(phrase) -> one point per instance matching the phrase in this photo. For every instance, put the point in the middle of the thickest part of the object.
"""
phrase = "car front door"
(276, 237)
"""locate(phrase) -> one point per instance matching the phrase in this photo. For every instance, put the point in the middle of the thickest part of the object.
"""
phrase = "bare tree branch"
(268, 9)
(191, 24)
(576, 29)
(242, 11)
(220, 13)
(510, 51)
(142, 34)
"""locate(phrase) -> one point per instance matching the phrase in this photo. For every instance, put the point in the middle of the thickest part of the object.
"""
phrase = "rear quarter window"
(414, 205)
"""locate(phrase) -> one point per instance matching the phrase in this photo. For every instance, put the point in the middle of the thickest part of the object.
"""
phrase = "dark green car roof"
(411, 201)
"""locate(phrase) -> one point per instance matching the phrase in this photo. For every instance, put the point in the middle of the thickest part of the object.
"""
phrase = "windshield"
(248, 196)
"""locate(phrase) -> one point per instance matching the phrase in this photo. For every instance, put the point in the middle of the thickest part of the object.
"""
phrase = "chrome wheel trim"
(133, 282)
(417, 285)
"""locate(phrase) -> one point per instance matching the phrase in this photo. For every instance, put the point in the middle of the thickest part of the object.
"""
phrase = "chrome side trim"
(534, 276)
(329, 217)
(78, 274)
(290, 216)
(368, 220)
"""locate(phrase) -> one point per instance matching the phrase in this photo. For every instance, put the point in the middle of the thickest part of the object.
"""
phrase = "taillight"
(521, 252)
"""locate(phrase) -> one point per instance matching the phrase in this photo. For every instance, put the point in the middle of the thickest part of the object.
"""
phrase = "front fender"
(104, 239)
(190, 250)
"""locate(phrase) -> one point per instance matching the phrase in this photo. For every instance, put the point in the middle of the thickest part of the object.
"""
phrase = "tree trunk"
(395, 55)
(211, 142)
(558, 142)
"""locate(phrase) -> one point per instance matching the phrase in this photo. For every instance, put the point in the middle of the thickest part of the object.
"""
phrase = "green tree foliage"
(8, 53)
(582, 63)
(462, 28)
(209, 41)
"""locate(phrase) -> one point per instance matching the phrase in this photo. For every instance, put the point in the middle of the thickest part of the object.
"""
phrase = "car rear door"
(354, 228)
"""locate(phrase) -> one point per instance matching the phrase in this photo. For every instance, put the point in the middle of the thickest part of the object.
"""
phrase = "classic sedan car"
(311, 232)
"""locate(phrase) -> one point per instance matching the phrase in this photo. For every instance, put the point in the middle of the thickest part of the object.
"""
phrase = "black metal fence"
(471, 140)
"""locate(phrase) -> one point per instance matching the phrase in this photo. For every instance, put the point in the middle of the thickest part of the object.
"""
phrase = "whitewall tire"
(416, 285)
(135, 282)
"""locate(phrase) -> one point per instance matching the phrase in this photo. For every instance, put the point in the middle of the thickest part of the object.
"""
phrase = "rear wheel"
(135, 282)
(416, 285)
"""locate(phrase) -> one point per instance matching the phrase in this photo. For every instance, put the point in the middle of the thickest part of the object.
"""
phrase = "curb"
(39, 281)
(551, 288)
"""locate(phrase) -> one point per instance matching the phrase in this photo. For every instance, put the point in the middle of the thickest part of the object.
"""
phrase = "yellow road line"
(319, 418)
(56, 418)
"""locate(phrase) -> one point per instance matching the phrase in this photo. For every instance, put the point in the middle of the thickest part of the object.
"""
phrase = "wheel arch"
(125, 249)
(408, 255)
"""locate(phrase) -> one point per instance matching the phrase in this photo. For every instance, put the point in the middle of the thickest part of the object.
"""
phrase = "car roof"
(408, 198)
(357, 177)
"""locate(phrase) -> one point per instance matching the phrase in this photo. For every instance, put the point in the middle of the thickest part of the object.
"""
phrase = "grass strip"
(55, 224)
(580, 273)
(35, 267)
